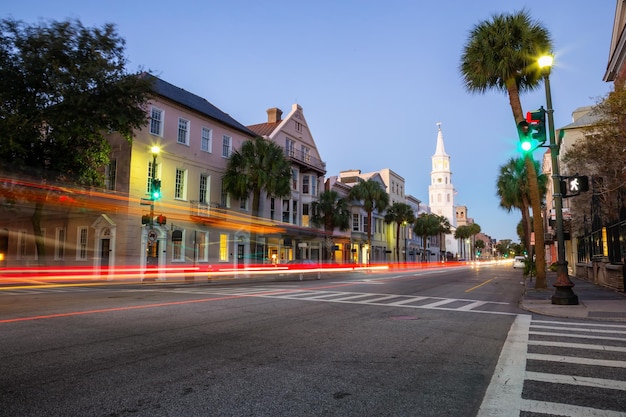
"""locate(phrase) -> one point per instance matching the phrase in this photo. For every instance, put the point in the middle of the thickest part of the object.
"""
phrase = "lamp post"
(155, 151)
(152, 235)
(563, 294)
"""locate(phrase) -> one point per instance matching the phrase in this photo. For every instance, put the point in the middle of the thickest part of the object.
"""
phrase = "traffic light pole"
(563, 294)
(152, 181)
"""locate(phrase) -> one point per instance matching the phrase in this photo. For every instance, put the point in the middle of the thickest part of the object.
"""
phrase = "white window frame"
(178, 248)
(82, 243)
(290, 147)
(204, 189)
(206, 140)
(182, 136)
(224, 196)
(223, 247)
(180, 184)
(156, 122)
(202, 240)
(227, 146)
(243, 203)
(157, 168)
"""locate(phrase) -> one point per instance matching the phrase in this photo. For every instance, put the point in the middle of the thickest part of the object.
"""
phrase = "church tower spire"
(441, 190)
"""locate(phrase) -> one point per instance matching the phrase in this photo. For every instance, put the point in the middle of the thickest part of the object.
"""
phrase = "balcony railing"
(305, 159)
(198, 209)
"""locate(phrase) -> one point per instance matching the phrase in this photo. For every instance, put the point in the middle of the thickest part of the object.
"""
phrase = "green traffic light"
(526, 145)
(156, 189)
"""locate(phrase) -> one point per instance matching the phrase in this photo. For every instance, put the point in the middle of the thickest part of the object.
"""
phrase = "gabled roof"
(264, 129)
(194, 102)
(588, 119)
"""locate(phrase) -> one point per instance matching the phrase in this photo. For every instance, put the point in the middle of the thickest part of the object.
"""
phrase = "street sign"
(145, 202)
(152, 235)
(573, 186)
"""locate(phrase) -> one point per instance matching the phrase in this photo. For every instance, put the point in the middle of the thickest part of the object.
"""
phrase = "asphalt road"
(399, 343)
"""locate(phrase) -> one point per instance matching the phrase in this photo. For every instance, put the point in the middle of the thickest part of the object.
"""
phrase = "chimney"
(274, 115)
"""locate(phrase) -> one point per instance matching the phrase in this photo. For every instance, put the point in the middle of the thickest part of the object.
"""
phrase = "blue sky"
(373, 77)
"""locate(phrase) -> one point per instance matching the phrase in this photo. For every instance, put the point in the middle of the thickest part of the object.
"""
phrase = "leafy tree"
(400, 214)
(501, 54)
(601, 155)
(479, 245)
(258, 167)
(425, 225)
(330, 211)
(63, 87)
(503, 247)
(373, 197)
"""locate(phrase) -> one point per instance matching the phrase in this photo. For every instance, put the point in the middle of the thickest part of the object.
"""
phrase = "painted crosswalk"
(559, 368)
(363, 298)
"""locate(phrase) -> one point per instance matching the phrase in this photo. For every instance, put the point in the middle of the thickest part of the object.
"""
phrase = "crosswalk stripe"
(571, 323)
(577, 380)
(472, 305)
(604, 348)
(407, 301)
(576, 360)
(578, 329)
(439, 303)
(577, 336)
(566, 410)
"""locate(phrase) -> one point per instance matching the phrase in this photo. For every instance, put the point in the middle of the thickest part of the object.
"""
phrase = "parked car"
(519, 262)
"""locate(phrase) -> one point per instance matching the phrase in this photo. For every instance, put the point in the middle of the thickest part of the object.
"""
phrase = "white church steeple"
(441, 190)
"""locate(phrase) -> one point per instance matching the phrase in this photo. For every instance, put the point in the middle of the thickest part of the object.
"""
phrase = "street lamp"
(563, 294)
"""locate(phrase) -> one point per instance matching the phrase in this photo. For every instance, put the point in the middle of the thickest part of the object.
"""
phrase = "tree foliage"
(330, 211)
(426, 225)
(373, 196)
(513, 188)
(501, 54)
(601, 155)
(258, 167)
(62, 88)
(400, 214)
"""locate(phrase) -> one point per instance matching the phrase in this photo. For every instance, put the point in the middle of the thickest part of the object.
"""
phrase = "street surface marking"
(577, 380)
(504, 393)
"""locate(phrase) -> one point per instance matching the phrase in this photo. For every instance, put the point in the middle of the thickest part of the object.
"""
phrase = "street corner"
(546, 308)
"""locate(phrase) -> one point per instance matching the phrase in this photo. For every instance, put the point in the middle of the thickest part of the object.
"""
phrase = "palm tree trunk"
(535, 200)
(533, 185)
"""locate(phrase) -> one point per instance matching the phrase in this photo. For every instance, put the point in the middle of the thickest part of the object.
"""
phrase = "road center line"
(479, 285)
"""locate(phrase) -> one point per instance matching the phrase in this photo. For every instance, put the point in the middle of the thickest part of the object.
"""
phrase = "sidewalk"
(594, 302)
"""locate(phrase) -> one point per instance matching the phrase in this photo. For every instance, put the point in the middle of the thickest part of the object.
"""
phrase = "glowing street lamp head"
(155, 150)
(546, 61)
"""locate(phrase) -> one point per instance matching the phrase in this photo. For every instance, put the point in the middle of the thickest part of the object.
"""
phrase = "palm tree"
(474, 229)
(426, 224)
(400, 214)
(513, 190)
(444, 228)
(374, 197)
(259, 166)
(462, 233)
(501, 55)
(330, 211)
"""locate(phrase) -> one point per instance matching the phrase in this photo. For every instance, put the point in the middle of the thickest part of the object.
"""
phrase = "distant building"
(441, 192)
